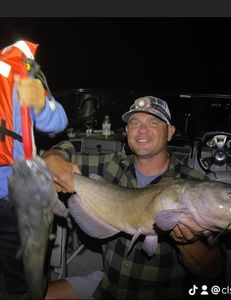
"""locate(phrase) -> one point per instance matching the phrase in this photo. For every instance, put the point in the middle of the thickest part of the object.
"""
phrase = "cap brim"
(127, 115)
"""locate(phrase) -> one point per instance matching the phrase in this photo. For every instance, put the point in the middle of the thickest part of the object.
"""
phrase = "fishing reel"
(214, 152)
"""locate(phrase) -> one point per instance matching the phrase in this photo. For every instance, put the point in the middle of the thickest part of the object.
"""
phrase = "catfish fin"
(134, 238)
(168, 219)
(88, 222)
(150, 244)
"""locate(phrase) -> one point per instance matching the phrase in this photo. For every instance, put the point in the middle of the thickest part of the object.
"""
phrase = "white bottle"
(106, 126)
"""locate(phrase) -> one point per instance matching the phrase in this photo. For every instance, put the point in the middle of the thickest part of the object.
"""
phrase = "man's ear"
(171, 131)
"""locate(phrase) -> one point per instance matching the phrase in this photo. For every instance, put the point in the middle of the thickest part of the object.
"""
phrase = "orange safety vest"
(11, 63)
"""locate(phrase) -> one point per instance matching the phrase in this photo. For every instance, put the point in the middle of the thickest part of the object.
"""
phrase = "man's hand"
(31, 92)
(196, 254)
(183, 234)
(61, 170)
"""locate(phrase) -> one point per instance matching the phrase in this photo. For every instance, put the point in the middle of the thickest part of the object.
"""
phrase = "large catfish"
(102, 209)
(33, 194)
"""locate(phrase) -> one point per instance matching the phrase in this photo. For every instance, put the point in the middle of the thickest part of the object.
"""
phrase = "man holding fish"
(144, 268)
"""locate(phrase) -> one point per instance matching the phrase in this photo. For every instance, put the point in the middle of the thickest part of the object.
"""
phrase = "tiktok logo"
(192, 291)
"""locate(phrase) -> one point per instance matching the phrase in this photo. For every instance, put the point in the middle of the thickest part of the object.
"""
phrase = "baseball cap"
(150, 105)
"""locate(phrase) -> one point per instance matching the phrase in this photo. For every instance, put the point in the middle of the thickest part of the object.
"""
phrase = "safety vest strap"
(4, 131)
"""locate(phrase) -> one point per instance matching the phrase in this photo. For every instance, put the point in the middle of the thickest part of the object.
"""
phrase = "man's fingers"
(64, 183)
(186, 232)
(76, 169)
(177, 232)
(207, 233)
(183, 234)
(58, 188)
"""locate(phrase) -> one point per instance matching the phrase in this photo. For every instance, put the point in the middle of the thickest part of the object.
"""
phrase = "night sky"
(164, 54)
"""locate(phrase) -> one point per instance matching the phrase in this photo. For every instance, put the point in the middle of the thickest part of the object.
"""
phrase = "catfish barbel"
(33, 194)
(102, 209)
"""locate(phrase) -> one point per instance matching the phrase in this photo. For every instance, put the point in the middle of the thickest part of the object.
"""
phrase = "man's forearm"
(65, 149)
(201, 259)
(57, 161)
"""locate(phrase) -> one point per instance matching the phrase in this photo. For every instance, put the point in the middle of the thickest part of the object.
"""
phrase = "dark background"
(117, 59)
(165, 54)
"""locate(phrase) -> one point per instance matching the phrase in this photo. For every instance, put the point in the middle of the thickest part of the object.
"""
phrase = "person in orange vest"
(48, 116)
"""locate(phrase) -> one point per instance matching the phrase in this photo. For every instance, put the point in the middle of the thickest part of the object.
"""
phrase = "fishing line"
(35, 68)
(220, 233)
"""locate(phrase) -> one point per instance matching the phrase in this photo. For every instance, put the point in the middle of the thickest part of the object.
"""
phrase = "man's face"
(147, 135)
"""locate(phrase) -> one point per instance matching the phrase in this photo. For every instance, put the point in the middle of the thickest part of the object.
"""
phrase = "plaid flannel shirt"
(135, 276)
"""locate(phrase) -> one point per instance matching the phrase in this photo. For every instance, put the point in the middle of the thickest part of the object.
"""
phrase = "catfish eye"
(229, 196)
